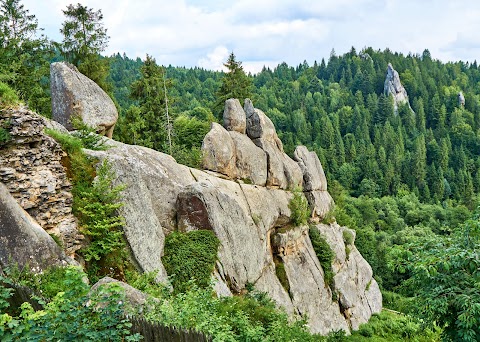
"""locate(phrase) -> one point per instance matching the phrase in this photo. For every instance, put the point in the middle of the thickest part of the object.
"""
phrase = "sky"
(268, 32)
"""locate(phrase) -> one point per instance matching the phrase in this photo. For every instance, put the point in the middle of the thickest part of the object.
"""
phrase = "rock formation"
(31, 168)
(74, 94)
(394, 87)
(252, 222)
(257, 157)
(252, 219)
(461, 99)
(22, 240)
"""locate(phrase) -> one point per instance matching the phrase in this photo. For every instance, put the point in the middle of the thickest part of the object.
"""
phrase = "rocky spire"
(394, 86)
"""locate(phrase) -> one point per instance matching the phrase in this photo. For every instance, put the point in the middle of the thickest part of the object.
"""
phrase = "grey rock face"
(358, 292)
(74, 94)
(218, 151)
(234, 117)
(461, 99)
(259, 126)
(250, 160)
(313, 175)
(22, 240)
(153, 181)
(320, 202)
(394, 87)
(253, 225)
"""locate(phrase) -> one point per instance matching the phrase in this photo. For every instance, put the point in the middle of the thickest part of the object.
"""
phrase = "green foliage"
(90, 140)
(68, 318)
(348, 237)
(235, 83)
(324, 254)
(189, 256)
(445, 275)
(8, 97)
(24, 57)
(96, 204)
(300, 211)
(252, 317)
(96, 207)
(281, 273)
(84, 38)
(389, 326)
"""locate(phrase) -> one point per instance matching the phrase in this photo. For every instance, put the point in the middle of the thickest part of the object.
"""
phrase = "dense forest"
(407, 180)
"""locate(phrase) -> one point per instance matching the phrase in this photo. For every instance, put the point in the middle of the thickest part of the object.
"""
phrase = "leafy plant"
(189, 256)
(300, 211)
(324, 254)
(67, 317)
(8, 97)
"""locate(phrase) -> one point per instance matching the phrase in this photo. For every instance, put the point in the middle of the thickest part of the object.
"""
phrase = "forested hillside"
(407, 180)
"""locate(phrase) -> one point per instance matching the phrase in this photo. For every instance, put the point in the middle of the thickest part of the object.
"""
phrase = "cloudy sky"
(268, 32)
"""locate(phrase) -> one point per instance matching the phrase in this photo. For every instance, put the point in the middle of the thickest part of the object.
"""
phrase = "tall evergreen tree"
(235, 83)
(84, 38)
(24, 55)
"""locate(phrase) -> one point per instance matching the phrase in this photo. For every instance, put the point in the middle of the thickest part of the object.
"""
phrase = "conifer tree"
(84, 38)
(24, 55)
(235, 83)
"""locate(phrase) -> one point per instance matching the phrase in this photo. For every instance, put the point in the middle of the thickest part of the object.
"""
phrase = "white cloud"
(215, 59)
(193, 32)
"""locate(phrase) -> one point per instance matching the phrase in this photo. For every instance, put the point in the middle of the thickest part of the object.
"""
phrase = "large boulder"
(358, 293)
(234, 117)
(218, 151)
(320, 202)
(22, 241)
(75, 95)
(259, 126)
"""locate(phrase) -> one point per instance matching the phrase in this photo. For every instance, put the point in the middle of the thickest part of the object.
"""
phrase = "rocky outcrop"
(255, 231)
(234, 117)
(394, 87)
(22, 241)
(358, 293)
(314, 182)
(75, 95)
(461, 99)
(31, 168)
(257, 157)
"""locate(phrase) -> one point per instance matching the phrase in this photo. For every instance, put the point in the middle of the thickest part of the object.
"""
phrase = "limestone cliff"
(251, 220)
(244, 199)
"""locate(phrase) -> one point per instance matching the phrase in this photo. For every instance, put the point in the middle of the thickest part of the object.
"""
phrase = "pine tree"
(235, 83)
(84, 38)
(24, 55)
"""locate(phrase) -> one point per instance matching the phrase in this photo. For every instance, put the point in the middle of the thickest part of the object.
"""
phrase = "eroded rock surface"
(31, 168)
(22, 241)
(74, 94)
(234, 117)
(255, 231)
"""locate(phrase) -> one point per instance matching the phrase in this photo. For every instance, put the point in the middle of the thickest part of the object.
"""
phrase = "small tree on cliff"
(235, 83)
(84, 38)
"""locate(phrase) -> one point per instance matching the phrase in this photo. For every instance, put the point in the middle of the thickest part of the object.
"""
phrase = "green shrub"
(190, 256)
(67, 318)
(96, 204)
(300, 211)
(281, 273)
(8, 97)
(347, 237)
(324, 254)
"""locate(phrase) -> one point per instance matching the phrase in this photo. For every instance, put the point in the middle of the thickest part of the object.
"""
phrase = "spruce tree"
(235, 83)
(84, 38)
